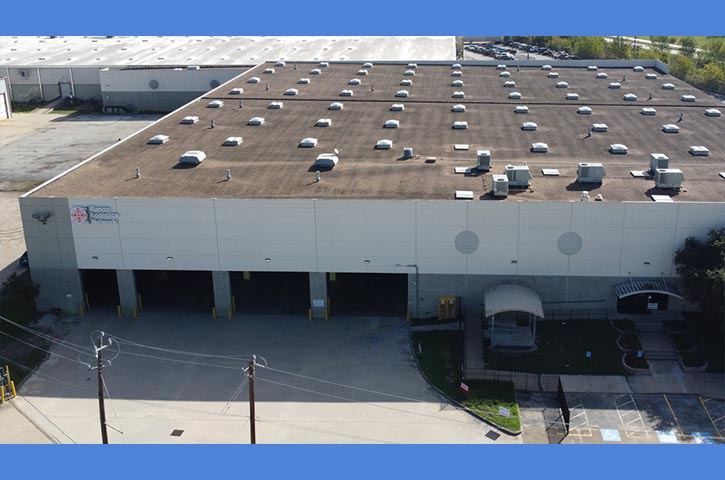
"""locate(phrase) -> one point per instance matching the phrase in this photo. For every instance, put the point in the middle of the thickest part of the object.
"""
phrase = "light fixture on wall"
(267, 259)
(94, 257)
(646, 264)
(514, 261)
(168, 259)
(366, 261)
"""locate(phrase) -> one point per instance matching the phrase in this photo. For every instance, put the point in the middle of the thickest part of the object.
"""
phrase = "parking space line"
(637, 421)
(707, 411)
(677, 421)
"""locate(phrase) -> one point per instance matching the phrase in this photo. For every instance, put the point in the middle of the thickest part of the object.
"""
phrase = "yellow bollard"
(234, 304)
(2, 395)
(133, 312)
(213, 313)
(88, 303)
(12, 388)
(118, 309)
(229, 313)
(309, 314)
(140, 304)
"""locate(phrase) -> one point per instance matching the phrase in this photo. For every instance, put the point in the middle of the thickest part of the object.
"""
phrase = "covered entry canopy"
(635, 287)
(512, 298)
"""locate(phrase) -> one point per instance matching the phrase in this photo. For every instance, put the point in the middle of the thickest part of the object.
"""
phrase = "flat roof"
(270, 164)
(119, 51)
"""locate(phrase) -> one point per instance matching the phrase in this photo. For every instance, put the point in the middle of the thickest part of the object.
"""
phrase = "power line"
(39, 348)
(177, 352)
(57, 341)
(180, 361)
(224, 409)
(36, 372)
(120, 428)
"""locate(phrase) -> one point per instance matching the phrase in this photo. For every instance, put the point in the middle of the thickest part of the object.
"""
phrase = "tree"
(715, 50)
(689, 46)
(589, 47)
(701, 265)
(661, 43)
(681, 66)
(618, 48)
(712, 76)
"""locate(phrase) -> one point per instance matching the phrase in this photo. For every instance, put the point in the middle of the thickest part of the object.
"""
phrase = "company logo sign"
(93, 214)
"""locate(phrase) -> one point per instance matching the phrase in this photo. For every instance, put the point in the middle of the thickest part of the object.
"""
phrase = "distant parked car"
(24, 260)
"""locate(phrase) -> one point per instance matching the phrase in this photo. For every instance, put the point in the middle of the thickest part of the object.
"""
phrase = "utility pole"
(101, 406)
(252, 430)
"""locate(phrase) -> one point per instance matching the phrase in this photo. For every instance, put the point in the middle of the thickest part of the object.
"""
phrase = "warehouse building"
(377, 187)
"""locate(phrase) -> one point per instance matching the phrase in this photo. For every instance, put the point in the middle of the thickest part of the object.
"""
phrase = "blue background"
(362, 17)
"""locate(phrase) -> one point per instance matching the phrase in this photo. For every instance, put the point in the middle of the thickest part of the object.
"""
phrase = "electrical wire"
(39, 348)
(57, 341)
(36, 372)
(224, 409)
(110, 401)
(189, 362)
(177, 352)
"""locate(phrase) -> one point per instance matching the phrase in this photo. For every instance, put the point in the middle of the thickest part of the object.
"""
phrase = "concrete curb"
(454, 402)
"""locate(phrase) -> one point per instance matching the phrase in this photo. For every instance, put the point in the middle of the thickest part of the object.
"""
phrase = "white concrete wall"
(515, 238)
(170, 80)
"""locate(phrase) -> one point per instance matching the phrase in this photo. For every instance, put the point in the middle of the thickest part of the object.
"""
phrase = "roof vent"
(406, 83)
(256, 121)
(324, 64)
(500, 185)
(602, 75)
(232, 141)
(615, 85)
(592, 68)
(412, 65)
(456, 73)
(638, 68)
(562, 85)
(457, 83)
(590, 173)
(584, 196)
(324, 122)
(189, 120)
(572, 96)
(326, 160)
(618, 148)
(397, 107)
(346, 93)
(158, 139)
(280, 64)
(192, 157)
(546, 67)
(455, 66)
(584, 110)
(518, 176)
(253, 80)
(648, 111)
(462, 125)
(384, 144)
(458, 95)
(687, 98)
(651, 76)
(464, 195)
(315, 71)
(521, 109)
(670, 128)
(215, 104)
(699, 151)
(291, 91)
(275, 105)
(529, 126)
(515, 95)
(630, 97)
(268, 71)
(458, 108)
(669, 178)
(236, 91)
(504, 74)
(600, 127)
(308, 142)
(553, 75)
(407, 153)
(409, 73)
(303, 81)
(354, 81)
(509, 84)
(401, 93)
(501, 66)
(539, 147)
(362, 72)
(367, 65)
(658, 160)
(336, 106)
(668, 86)
(712, 112)
(483, 160)
(391, 124)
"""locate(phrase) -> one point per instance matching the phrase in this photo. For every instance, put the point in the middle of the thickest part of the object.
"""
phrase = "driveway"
(345, 380)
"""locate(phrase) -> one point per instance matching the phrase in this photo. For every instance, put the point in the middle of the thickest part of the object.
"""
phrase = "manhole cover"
(493, 435)
(177, 433)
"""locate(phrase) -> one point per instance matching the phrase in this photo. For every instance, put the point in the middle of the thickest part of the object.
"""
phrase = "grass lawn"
(440, 359)
(562, 348)
(701, 41)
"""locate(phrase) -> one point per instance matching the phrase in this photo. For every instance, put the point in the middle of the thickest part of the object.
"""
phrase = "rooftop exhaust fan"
(303, 81)
(254, 80)
(232, 141)
(648, 111)
(189, 120)
(618, 148)
(215, 104)
(515, 95)
(699, 151)
(346, 93)
(192, 157)
(158, 139)
(291, 91)
(384, 144)
(458, 108)
(335, 106)
(401, 93)
(712, 112)
(275, 105)
(256, 121)
(602, 75)
(521, 109)
(668, 86)
(397, 107)
(458, 95)
(237, 91)
(584, 110)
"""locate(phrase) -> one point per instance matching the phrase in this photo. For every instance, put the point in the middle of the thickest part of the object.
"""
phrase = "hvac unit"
(521, 109)
(483, 160)
(539, 147)
(384, 144)
(256, 121)
(323, 64)
(602, 75)
(668, 86)
(280, 64)
(518, 176)
(699, 151)
(618, 148)
(409, 73)
(397, 107)
(712, 112)
(407, 153)
(308, 142)
(362, 72)
(600, 127)
(658, 160)
(158, 139)
(456, 66)
(303, 81)
(315, 71)
(391, 124)
(584, 110)
(275, 105)
(412, 65)
(460, 125)
(367, 65)
(192, 157)
(456, 73)
(458, 108)
(572, 96)
(504, 74)
(648, 111)
(592, 68)
(669, 178)
(500, 186)
(253, 80)
(326, 160)
(590, 173)
(501, 66)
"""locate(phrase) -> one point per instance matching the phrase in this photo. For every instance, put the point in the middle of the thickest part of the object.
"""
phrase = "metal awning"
(634, 287)
(512, 298)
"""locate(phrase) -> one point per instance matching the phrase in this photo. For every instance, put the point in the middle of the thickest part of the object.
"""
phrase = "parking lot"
(345, 380)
